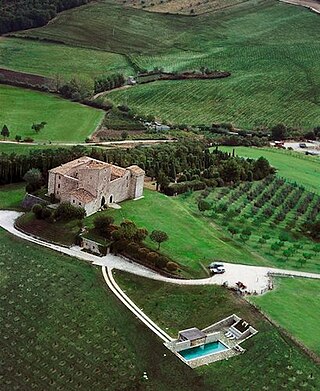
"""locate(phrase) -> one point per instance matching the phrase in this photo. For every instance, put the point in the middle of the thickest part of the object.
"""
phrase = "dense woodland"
(187, 161)
(24, 14)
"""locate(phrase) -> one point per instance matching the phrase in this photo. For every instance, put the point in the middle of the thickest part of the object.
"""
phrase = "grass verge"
(295, 305)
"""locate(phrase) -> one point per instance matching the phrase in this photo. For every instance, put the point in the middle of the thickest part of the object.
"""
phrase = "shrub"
(161, 262)
(37, 210)
(102, 224)
(172, 266)
(152, 257)
(46, 213)
(66, 211)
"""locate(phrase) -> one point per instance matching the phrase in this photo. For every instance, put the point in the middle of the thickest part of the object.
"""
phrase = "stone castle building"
(91, 183)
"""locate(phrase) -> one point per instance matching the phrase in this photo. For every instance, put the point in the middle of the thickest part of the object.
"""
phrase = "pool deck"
(210, 358)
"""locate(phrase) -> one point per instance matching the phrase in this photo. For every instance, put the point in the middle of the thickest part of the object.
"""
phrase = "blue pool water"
(203, 350)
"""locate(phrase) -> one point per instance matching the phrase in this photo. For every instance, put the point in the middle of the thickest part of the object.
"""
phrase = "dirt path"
(109, 91)
(313, 5)
(120, 143)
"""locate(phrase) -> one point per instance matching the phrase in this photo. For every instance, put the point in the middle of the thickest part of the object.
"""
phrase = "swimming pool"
(203, 350)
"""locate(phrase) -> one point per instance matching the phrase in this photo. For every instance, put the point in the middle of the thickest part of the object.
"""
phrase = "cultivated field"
(270, 49)
(270, 359)
(66, 121)
(268, 217)
(50, 59)
(304, 170)
(295, 305)
(184, 7)
(63, 330)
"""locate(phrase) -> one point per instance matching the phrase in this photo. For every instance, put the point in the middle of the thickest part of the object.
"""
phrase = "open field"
(66, 121)
(22, 149)
(269, 47)
(176, 308)
(50, 59)
(191, 239)
(63, 330)
(183, 7)
(295, 305)
(304, 170)
(12, 195)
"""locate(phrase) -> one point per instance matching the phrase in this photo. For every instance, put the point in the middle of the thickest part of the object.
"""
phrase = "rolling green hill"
(51, 59)
(271, 49)
(305, 170)
(66, 121)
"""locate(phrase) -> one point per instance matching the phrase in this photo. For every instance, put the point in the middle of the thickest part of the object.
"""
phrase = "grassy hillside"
(64, 330)
(274, 212)
(66, 121)
(191, 239)
(182, 6)
(295, 167)
(180, 307)
(12, 195)
(270, 48)
(50, 59)
(295, 305)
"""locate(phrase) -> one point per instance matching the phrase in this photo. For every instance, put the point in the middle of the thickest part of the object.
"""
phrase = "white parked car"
(216, 268)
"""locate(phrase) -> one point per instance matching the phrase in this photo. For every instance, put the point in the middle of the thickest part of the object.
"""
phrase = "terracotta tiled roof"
(117, 171)
(84, 161)
(65, 168)
(97, 165)
(82, 195)
(136, 170)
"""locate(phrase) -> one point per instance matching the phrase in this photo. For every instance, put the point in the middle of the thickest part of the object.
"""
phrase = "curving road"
(256, 278)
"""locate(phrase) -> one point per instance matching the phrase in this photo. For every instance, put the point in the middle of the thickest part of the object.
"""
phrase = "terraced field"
(66, 121)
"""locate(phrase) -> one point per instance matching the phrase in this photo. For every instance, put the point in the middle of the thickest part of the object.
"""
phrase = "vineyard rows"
(49, 318)
(270, 216)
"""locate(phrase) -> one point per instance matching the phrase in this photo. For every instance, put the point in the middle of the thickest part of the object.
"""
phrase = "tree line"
(167, 164)
(26, 14)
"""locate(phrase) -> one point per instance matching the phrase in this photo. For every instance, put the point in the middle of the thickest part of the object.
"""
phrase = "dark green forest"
(24, 14)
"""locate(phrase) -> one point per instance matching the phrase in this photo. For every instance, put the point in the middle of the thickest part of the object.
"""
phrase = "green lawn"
(295, 167)
(295, 305)
(50, 59)
(66, 121)
(176, 308)
(12, 195)
(192, 239)
(195, 238)
(62, 329)
(22, 149)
